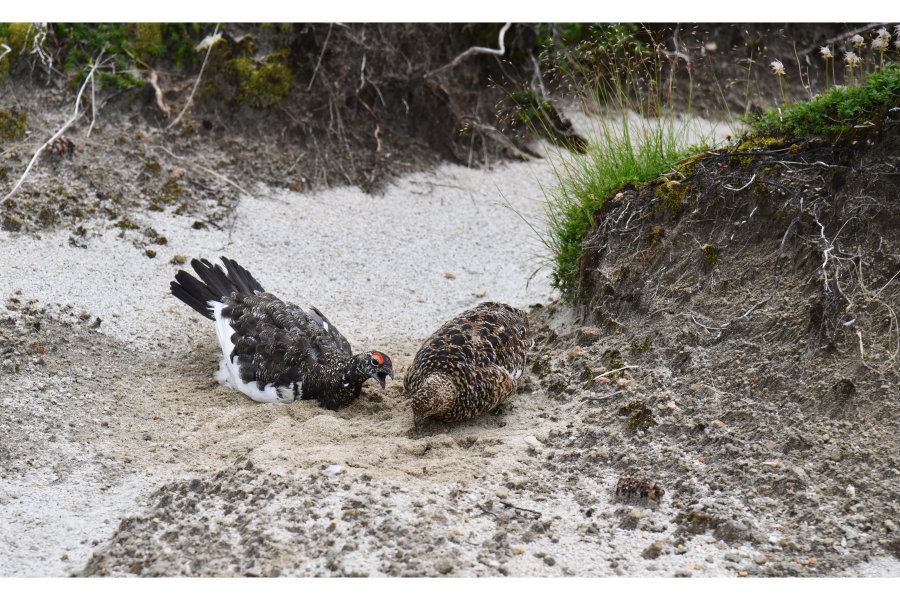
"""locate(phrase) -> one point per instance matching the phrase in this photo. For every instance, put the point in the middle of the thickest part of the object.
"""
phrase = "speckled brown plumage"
(469, 365)
(275, 351)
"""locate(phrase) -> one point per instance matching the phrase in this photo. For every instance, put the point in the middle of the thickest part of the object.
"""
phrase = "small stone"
(652, 551)
(623, 382)
(549, 561)
(742, 573)
(443, 566)
(576, 352)
(851, 491)
(449, 276)
(719, 423)
(683, 573)
(178, 259)
(732, 557)
(889, 525)
(502, 492)
(533, 442)
(836, 455)
(635, 514)
(759, 559)
(480, 293)
(812, 561)
(519, 551)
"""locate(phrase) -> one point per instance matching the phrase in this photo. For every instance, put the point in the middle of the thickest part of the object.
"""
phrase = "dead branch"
(508, 505)
(473, 50)
(316, 71)
(862, 354)
(93, 107)
(75, 117)
(196, 83)
(154, 83)
(616, 371)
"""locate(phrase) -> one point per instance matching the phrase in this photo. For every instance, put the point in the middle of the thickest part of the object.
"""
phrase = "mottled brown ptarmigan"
(470, 365)
(275, 351)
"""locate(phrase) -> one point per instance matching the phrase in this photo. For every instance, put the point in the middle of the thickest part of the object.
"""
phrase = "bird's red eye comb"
(378, 357)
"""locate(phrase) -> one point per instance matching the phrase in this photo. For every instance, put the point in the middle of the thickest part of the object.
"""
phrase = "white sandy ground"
(375, 265)
(365, 261)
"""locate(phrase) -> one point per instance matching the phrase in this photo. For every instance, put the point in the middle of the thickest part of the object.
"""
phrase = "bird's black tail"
(215, 284)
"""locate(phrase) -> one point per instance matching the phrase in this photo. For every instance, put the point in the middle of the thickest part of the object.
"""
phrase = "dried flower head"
(826, 52)
(896, 29)
(777, 67)
(884, 35)
(851, 59)
(857, 40)
(879, 44)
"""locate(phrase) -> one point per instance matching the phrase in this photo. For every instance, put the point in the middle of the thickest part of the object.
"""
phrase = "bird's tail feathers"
(215, 285)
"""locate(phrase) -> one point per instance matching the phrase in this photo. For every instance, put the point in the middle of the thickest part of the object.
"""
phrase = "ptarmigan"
(469, 365)
(275, 351)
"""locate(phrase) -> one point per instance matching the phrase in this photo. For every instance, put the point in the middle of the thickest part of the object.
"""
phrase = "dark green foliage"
(838, 110)
(81, 43)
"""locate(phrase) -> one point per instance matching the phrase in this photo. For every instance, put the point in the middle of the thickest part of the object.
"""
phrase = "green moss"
(4, 62)
(126, 224)
(46, 215)
(11, 223)
(586, 376)
(656, 235)
(152, 166)
(540, 365)
(12, 124)
(147, 38)
(613, 360)
(672, 195)
(757, 144)
(21, 37)
(641, 415)
(711, 253)
(270, 84)
(622, 274)
(150, 253)
(640, 348)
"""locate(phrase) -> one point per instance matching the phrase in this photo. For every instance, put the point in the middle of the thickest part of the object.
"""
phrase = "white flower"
(884, 35)
(857, 40)
(897, 29)
(879, 44)
(777, 67)
(826, 52)
(851, 59)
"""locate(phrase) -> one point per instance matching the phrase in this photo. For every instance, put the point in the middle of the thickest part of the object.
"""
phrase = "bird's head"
(378, 365)
(432, 397)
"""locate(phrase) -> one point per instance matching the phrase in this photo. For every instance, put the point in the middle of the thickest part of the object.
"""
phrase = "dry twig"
(154, 83)
(324, 46)
(473, 50)
(62, 129)
(196, 83)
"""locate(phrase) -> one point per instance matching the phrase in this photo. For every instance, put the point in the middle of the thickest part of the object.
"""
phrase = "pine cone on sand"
(470, 365)
(275, 351)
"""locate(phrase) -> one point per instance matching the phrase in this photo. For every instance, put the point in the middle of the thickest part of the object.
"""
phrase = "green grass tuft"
(837, 111)
(629, 141)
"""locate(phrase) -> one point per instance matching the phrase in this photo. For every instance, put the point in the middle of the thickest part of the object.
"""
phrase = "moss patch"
(641, 415)
(147, 38)
(12, 124)
(711, 253)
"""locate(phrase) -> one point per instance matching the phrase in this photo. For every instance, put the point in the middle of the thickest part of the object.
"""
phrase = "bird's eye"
(374, 362)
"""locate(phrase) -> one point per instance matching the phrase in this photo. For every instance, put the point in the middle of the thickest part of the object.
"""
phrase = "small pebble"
(502, 492)
(889, 525)
(480, 293)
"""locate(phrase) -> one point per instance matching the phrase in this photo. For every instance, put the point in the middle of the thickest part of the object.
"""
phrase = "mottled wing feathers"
(339, 340)
(482, 351)
(215, 285)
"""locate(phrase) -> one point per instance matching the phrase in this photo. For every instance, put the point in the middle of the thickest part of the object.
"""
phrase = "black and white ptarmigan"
(470, 365)
(274, 351)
